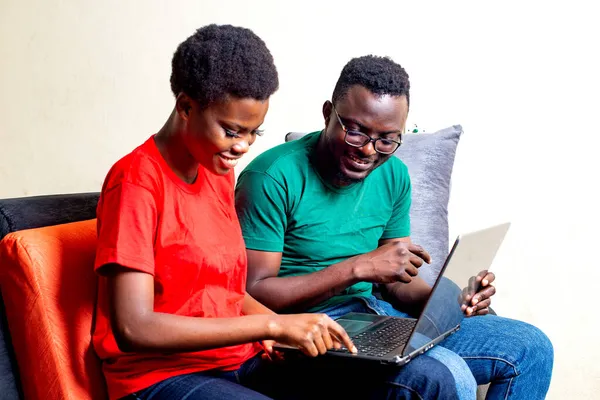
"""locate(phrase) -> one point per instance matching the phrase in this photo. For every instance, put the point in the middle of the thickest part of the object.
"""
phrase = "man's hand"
(390, 263)
(476, 297)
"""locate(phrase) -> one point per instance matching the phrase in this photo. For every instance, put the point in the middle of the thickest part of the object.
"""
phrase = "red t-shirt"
(188, 237)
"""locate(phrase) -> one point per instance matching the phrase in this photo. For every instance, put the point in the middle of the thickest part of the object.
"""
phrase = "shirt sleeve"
(127, 221)
(399, 224)
(261, 205)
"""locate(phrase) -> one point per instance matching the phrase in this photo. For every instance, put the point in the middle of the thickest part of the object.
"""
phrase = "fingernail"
(485, 281)
(475, 301)
(354, 349)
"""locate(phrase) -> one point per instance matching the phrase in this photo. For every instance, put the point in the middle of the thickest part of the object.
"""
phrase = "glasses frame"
(368, 139)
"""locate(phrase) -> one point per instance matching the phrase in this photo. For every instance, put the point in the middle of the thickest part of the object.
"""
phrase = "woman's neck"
(171, 146)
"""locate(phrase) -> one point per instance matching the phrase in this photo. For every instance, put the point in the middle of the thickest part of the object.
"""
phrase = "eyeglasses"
(358, 139)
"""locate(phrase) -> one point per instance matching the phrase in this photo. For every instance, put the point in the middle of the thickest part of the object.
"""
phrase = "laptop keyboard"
(384, 338)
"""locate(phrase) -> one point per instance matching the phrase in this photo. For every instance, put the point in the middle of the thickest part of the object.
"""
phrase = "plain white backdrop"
(84, 82)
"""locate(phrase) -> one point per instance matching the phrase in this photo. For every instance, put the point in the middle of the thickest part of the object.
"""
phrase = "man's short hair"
(381, 75)
(221, 60)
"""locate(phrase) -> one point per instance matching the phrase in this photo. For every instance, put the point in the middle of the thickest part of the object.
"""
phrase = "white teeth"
(230, 162)
(357, 160)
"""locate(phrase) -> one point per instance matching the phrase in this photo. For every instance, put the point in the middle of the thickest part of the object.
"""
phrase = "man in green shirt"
(327, 216)
(318, 214)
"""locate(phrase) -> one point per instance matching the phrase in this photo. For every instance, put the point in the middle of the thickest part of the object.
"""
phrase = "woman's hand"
(313, 334)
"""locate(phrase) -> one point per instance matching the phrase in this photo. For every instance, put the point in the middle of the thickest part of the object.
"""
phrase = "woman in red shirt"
(173, 313)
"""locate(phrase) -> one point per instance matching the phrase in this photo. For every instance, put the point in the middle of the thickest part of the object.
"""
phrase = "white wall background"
(84, 82)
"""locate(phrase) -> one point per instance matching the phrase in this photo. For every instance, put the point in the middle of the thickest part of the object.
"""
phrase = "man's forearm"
(410, 297)
(298, 293)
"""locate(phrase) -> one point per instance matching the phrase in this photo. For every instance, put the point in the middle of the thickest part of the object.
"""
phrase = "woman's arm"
(138, 328)
(252, 306)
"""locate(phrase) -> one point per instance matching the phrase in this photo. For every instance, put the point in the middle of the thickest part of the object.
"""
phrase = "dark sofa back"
(34, 212)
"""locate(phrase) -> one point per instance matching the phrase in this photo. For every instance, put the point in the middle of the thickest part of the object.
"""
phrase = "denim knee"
(538, 352)
(466, 385)
(425, 378)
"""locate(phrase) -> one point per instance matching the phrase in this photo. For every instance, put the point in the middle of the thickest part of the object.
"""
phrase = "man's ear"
(327, 110)
(183, 105)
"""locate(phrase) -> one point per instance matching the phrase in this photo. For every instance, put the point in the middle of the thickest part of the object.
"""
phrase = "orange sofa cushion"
(49, 289)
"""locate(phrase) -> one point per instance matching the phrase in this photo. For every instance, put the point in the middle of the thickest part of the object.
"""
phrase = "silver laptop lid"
(471, 256)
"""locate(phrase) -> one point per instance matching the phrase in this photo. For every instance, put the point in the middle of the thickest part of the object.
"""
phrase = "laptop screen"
(441, 314)
(466, 265)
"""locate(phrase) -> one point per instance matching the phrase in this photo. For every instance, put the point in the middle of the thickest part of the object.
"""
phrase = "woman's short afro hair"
(222, 60)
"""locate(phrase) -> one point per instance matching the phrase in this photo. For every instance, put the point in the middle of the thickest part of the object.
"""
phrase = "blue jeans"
(515, 357)
(304, 378)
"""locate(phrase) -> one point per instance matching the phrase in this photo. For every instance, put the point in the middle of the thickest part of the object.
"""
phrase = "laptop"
(396, 341)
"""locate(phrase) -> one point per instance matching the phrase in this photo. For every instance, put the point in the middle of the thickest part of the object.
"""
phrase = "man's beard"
(330, 164)
(343, 180)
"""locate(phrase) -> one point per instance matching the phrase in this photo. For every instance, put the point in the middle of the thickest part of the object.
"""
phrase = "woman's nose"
(241, 147)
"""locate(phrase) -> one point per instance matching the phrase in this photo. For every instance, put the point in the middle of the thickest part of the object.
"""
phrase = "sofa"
(48, 286)
(25, 374)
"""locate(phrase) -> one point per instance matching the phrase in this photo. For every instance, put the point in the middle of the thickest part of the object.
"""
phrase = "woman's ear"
(183, 105)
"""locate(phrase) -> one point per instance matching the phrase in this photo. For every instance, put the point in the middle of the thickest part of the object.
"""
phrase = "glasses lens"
(356, 138)
(386, 146)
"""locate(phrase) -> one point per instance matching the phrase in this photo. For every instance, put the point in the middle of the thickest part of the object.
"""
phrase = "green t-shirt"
(285, 206)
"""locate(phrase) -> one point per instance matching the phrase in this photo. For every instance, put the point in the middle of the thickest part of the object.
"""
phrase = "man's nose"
(368, 149)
